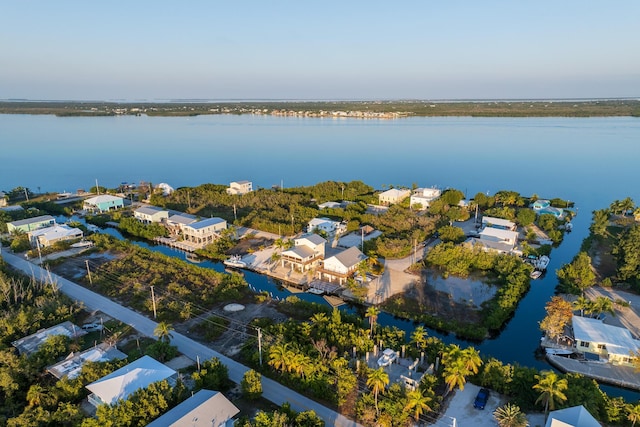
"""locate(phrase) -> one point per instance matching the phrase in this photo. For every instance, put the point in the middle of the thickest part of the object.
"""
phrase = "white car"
(388, 357)
(90, 327)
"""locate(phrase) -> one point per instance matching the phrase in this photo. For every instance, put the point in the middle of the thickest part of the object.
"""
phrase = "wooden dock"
(621, 376)
(178, 244)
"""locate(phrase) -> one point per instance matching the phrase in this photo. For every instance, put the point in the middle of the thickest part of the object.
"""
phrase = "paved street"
(272, 390)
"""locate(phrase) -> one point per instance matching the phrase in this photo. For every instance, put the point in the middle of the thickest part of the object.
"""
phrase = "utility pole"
(86, 261)
(26, 194)
(39, 253)
(153, 299)
(97, 188)
(235, 213)
(260, 344)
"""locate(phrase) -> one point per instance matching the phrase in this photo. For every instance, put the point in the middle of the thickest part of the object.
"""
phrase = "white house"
(122, 383)
(329, 205)
(499, 235)
(204, 232)
(149, 214)
(609, 342)
(206, 408)
(326, 225)
(341, 266)
(505, 224)
(240, 187)
(178, 220)
(424, 197)
(51, 235)
(575, 416)
(72, 365)
(103, 203)
(30, 344)
(307, 252)
(394, 195)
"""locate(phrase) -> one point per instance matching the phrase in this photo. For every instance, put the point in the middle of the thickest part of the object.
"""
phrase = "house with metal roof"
(206, 408)
(542, 206)
(240, 187)
(500, 223)
(204, 232)
(72, 365)
(341, 266)
(51, 235)
(424, 196)
(575, 416)
(31, 224)
(393, 196)
(120, 384)
(607, 342)
(149, 214)
(32, 343)
(306, 254)
(103, 203)
(326, 225)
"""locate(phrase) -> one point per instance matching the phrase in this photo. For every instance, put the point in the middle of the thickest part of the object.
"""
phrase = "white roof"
(618, 340)
(301, 252)
(102, 199)
(498, 221)
(318, 221)
(134, 376)
(206, 408)
(499, 233)
(576, 416)
(150, 210)
(395, 193)
(350, 257)
(56, 232)
(312, 238)
(329, 205)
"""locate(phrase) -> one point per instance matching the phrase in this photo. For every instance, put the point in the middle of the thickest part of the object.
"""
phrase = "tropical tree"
(251, 384)
(419, 337)
(578, 274)
(417, 403)
(377, 380)
(37, 395)
(551, 388)
(471, 359)
(559, 314)
(583, 304)
(280, 357)
(603, 305)
(634, 414)
(510, 415)
(163, 332)
(372, 314)
(599, 223)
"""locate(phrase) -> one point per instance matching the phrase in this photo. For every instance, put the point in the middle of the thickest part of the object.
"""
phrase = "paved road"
(272, 390)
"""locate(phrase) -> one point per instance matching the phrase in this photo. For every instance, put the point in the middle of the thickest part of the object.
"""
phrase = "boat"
(235, 261)
(193, 258)
(569, 227)
(558, 351)
(82, 244)
(541, 263)
(535, 274)
(315, 291)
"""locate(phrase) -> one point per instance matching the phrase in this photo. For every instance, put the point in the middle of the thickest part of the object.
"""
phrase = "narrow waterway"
(517, 342)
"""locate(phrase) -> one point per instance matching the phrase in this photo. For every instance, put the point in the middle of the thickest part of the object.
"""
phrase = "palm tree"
(455, 374)
(418, 403)
(419, 337)
(602, 305)
(372, 314)
(280, 357)
(471, 358)
(551, 388)
(36, 395)
(634, 414)
(377, 381)
(163, 332)
(510, 415)
(583, 304)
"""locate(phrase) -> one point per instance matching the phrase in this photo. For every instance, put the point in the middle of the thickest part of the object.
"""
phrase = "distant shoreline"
(333, 109)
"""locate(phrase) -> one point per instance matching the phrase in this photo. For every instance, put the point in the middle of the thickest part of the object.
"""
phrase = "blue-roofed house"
(103, 203)
(206, 408)
(542, 206)
(204, 232)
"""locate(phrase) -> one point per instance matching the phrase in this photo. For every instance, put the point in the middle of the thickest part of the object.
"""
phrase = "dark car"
(481, 399)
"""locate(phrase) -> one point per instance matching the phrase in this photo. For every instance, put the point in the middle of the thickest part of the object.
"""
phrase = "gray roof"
(33, 220)
(150, 210)
(350, 257)
(301, 251)
(618, 340)
(206, 408)
(206, 223)
(313, 238)
(576, 416)
(183, 218)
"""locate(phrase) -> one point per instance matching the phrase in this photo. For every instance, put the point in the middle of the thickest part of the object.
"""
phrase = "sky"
(323, 50)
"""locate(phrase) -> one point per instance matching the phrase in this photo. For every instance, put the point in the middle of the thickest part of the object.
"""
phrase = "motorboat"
(535, 274)
(541, 263)
(82, 244)
(235, 261)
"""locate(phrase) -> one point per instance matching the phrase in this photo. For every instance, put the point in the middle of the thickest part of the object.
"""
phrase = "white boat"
(541, 263)
(535, 274)
(558, 351)
(235, 261)
(315, 291)
(193, 258)
(82, 244)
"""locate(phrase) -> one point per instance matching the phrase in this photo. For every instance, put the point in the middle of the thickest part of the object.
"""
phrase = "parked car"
(90, 327)
(388, 357)
(481, 399)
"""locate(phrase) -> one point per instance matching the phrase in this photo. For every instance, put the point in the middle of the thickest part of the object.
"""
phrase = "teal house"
(103, 203)
(542, 206)
(31, 224)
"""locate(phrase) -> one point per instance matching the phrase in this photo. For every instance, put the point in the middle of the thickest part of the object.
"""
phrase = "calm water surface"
(590, 161)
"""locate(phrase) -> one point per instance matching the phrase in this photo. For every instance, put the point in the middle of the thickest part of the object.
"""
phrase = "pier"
(178, 244)
(621, 376)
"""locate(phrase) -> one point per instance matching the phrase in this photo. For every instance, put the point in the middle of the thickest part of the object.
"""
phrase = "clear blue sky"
(240, 49)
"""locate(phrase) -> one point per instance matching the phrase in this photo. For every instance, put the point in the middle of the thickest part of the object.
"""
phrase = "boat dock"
(178, 244)
(604, 372)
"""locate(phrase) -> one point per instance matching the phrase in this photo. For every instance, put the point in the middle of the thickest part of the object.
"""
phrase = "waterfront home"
(507, 238)
(165, 188)
(326, 225)
(240, 187)
(103, 203)
(341, 266)
(178, 220)
(593, 338)
(149, 214)
(204, 232)
(120, 384)
(72, 365)
(31, 224)
(329, 205)
(393, 196)
(206, 408)
(32, 343)
(307, 252)
(423, 197)
(3, 199)
(575, 416)
(542, 206)
(50, 235)
(503, 224)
